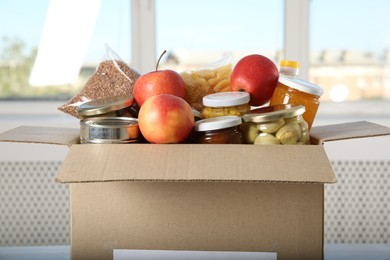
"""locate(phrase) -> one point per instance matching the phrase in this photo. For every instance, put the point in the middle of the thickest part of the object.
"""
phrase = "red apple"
(158, 82)
(257, 75)
(165, 118)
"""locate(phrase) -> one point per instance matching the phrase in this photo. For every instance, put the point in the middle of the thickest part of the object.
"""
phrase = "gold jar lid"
(270, 113)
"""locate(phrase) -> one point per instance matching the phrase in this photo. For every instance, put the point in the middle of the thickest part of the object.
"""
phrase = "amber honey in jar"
(279, 124)
(218, 130)
(231, 103)
(298, 92)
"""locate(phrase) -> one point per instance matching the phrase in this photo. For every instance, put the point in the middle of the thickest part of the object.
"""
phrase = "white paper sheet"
(127, 254)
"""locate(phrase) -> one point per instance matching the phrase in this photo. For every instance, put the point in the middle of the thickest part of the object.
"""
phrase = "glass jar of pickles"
(226, 104)
(298, 92)
(279, 124)
(218, 130)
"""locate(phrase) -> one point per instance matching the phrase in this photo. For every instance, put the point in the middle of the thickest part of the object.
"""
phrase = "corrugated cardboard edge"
(361, 129)
(59, 180)
(160, 163)
(323, 220)
(42, 135)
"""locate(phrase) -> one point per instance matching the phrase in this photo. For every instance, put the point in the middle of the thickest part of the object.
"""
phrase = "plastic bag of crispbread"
(112, 77)
(212, 78)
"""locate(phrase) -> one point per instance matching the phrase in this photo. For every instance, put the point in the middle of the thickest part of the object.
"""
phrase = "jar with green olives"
(279, 124)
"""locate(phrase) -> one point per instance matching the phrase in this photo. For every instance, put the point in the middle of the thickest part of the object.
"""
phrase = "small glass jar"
(218, 130)
(280, 124)
(232, 103)
(289, 68)
(111, 106)
(298, 92)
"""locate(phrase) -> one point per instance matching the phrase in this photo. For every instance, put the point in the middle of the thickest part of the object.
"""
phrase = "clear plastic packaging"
(212, 78)
(112, 77)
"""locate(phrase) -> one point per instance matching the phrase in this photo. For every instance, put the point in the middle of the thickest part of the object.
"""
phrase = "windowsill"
(331, 252)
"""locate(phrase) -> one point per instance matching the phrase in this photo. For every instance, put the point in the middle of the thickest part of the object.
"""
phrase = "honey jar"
(232, 103)
(279, 124)
(298, 92)
(218, 130)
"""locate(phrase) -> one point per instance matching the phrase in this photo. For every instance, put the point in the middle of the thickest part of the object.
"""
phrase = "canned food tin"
(109, 130)
(106, 107)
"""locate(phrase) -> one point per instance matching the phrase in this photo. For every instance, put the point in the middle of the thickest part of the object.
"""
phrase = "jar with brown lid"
(218, 130)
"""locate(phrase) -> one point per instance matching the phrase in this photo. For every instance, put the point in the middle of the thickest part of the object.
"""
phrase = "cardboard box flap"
(42, 135)
(360, 129)
(153, 162)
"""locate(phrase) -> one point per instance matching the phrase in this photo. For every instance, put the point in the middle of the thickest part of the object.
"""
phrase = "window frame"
(296, 43)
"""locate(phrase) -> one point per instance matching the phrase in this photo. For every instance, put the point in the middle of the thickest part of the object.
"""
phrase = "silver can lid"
(104, 105)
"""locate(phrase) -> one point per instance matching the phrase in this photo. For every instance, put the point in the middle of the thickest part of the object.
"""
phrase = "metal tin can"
(107, 107)
(109, 130)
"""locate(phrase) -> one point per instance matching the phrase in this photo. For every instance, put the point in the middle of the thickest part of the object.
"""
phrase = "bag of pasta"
(112, 77)
(210, 79)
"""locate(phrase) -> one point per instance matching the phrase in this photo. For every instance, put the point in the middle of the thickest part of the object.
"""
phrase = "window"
(90, 24)
(349, 52)
(200, 32)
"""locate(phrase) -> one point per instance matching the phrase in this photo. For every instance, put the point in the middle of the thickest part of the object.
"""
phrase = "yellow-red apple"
(158, 82)
(165, 118)
(257, 75)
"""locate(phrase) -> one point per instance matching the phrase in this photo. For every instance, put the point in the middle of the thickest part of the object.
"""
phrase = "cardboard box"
(196, 197)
